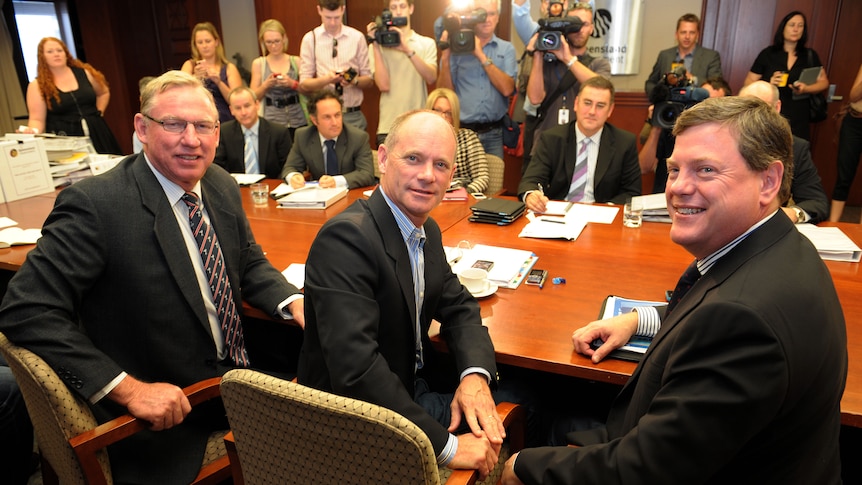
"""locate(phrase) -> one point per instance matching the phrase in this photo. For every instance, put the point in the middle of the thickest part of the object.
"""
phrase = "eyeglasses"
(272, 42)
(334, 47)
(447, 114)
(174, 125)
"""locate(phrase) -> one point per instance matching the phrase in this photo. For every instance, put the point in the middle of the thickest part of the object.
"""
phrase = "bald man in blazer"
(352, 150)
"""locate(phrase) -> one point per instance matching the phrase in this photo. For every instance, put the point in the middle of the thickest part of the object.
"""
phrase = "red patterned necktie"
(216, 274)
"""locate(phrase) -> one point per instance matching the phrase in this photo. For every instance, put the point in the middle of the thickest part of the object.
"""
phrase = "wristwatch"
(801, 216)
(487, 62)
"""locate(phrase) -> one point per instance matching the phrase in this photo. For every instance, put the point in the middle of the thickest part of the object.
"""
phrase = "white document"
(284, 189)
(247, 178)
(831, 243)
(548, 227)
(24, 169)
(601, 214)
(510, 265)
(15, 236)
(6, 222)
(295, 275)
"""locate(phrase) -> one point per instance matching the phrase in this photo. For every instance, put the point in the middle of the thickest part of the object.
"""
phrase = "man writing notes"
(376, 276)
(249, 143)
(741, 382)
(586, 160)
(126, 314)
(335, 154)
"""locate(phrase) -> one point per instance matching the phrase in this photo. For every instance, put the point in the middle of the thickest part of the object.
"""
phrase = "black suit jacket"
(706, 63)
(742, 384)
(617, 176)
(352, 151)
(273, 147)
(110, 287)
(806, 188)
(360, 313)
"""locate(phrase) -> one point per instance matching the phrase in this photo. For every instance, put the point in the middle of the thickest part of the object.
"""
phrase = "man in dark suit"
(351, 166)
(700, 63)
(586, 160)
(743, 380)
(115, 295)
(249, 143)
(376, 276)
(809, 202)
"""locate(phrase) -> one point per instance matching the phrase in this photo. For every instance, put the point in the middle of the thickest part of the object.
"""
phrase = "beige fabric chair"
(284, 432)
(70, 440)
(496, 171)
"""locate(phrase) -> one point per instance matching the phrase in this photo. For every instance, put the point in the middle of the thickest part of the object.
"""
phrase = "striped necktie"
(250, 155)
(686, 281)
(579, 177)
(216, 274)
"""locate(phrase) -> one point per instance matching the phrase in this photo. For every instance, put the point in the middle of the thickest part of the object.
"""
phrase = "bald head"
(764, 91)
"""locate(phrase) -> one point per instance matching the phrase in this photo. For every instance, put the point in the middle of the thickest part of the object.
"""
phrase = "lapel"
(570, 156)
(605, 155)
(262, 145)
(395, 248)
(315, 149)
(341, 150)
(168, 237)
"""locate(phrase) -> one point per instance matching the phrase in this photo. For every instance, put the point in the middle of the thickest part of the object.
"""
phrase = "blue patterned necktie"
(331, 161)
(686, 281)
(579, 177)
(250, 153)
(216, 274)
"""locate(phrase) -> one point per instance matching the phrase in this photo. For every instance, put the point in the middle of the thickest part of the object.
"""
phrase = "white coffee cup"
(474, 279)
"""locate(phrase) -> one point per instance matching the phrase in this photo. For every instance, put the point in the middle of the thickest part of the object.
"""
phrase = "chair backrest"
(56, 413)
(289, 433)
(496, 170)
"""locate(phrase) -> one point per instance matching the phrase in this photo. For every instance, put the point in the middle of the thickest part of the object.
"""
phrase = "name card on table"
(24, 169)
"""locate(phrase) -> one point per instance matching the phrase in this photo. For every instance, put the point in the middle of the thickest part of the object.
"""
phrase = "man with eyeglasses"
(553, 86)
(483, 79)
(402, 72)
(335, 56)
(135, 288)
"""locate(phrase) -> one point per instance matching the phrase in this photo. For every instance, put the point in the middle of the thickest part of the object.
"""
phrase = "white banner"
(618, 25)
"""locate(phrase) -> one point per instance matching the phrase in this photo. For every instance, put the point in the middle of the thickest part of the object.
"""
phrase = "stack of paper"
(248, 178)
(510, 266)
(831, 243)
(549, 224)
(312, 199)
(654, 207)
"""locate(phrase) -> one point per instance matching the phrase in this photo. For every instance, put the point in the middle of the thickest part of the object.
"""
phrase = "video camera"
(382, 34)
(462, 38)
(672, 96)
(552, 32)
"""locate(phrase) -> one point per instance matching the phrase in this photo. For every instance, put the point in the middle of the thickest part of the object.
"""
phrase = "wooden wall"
(128, 40)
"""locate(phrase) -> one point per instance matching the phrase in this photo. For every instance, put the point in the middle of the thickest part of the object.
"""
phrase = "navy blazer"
(352, 151)
(273, 147)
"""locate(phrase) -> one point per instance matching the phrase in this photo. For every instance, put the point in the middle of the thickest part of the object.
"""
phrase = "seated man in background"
(742, 381)
(586, 160)
(127, 315)
(249, 143)
(336, 155)
(808, 202)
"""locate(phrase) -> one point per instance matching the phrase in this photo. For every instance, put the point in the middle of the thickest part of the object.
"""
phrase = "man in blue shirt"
(483, 79)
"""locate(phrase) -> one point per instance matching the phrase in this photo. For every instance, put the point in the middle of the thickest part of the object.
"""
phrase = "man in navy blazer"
(115, 295)
(613, 172)
(271, 141)
(700, 63)
(352, 151)
(742, 382)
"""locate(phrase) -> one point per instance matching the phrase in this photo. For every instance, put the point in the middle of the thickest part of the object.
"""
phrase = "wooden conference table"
(532, 327)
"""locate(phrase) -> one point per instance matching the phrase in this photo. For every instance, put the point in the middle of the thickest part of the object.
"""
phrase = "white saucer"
(490, 290)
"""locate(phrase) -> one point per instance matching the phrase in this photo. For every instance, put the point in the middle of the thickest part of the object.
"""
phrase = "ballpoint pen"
(541, 189)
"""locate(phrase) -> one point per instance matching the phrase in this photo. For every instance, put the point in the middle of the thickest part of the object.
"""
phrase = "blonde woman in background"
(471, 166)
(209, 64)
(275, 78)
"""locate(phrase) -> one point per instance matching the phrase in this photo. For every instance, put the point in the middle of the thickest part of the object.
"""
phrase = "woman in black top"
(788, 55)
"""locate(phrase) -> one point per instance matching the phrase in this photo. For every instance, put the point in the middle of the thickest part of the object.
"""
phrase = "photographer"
(700, 63)
(553, 85)
(524, 24)
(399, 53)
(483, 78)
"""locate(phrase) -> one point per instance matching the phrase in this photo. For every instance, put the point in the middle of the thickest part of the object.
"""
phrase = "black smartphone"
(482, 264)
(537, 276)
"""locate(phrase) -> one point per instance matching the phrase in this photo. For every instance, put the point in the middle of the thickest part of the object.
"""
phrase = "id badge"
(563, 116)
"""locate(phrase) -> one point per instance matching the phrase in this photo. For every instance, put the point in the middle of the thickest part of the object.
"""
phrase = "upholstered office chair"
(71, 442)
(284, 432)
(496, 169)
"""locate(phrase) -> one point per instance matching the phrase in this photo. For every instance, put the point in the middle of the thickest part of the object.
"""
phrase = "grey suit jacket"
(705, 64)
(273, 147)
(352, 151)
(742, 384)
(617, 175)
(110, 287)
(361, 314)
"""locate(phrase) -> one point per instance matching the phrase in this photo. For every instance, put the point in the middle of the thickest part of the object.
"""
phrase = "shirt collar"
(705, 264)
(596, 138)
(255, 128)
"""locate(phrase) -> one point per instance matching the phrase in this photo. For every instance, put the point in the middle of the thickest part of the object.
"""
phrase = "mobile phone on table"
(537, 277)
(483, 264)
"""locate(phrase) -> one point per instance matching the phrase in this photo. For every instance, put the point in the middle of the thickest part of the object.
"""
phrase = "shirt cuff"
(290, 174)
(340, 181)
(649, 321)
(530, 108)
(476, 370)
(108, 388)
(282, 311)
(445, 456)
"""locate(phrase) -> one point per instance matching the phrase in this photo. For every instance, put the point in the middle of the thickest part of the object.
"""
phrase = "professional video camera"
(672, 96)
(552, 32)
(460, 25)
(382, 34)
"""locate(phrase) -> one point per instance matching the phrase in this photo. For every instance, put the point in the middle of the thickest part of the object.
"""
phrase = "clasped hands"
(480, 449)
(297, 180)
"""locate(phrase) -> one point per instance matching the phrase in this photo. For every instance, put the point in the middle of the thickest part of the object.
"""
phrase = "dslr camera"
(382, 34)
(553, 32)
(672, 96)
(462, 38)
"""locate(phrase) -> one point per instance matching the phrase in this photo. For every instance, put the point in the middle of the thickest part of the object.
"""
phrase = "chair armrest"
(233, 456)
(89, 442)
